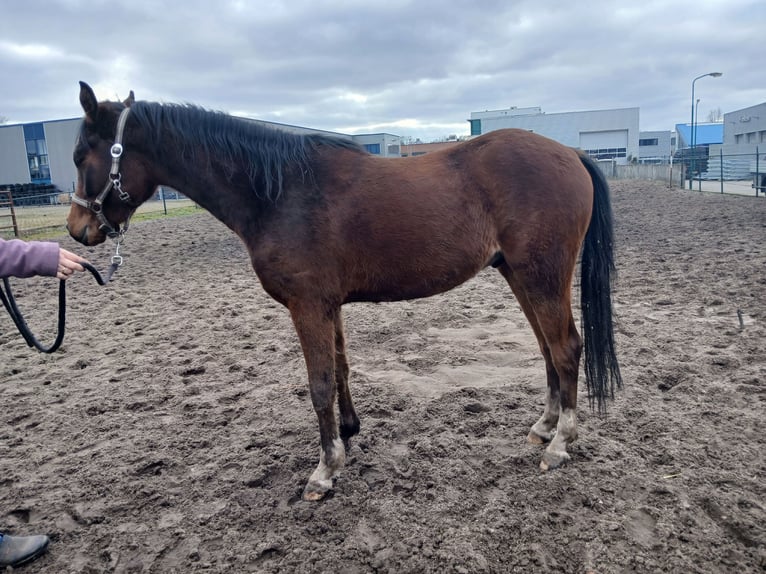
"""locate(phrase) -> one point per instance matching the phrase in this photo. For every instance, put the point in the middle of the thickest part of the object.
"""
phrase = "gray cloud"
(408, 67)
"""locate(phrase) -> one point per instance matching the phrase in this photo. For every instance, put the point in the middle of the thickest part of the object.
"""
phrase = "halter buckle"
(116, 150)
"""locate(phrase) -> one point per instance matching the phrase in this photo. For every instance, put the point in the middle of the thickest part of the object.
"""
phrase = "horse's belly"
(409, 281)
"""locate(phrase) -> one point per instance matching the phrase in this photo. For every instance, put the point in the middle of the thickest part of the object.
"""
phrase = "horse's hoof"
(553, 460)
(316, 490)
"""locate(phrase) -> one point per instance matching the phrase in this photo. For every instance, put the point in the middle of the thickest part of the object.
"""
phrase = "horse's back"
(511, 179)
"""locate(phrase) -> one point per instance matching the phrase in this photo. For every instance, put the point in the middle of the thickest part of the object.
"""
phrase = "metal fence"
(740, 174)
(46, 213)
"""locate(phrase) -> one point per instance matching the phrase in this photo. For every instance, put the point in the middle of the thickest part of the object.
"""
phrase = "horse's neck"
(235, 205)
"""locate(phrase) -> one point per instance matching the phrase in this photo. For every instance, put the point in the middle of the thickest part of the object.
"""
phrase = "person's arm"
(29, 258)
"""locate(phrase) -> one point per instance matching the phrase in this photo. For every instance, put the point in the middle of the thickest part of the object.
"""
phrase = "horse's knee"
(322, 391)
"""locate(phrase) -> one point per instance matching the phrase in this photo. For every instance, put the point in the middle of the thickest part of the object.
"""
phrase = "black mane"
(240, 145)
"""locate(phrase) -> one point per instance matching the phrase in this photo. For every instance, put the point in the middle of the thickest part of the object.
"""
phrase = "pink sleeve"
(28, 258)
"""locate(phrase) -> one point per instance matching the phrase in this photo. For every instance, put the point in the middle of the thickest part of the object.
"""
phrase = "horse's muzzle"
(82, 237)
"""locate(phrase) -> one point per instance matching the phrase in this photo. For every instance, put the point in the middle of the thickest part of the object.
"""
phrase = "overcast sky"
(411, 68)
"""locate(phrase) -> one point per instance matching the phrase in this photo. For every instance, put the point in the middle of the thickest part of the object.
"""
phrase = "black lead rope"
(9, 302)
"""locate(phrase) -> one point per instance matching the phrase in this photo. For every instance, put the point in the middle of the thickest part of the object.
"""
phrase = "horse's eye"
(81, 149)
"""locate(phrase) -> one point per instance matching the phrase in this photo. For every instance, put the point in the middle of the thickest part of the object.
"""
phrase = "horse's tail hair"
(597, 270)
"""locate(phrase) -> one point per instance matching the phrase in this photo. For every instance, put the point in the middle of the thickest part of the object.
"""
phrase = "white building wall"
(299, 130)
(491, 114)
(661, 151)
(745, 126)
(60, 137)
(13, 156)
(388, 144)
(570, 128)
(744, 136)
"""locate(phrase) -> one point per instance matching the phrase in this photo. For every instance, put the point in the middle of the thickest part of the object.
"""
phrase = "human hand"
(69, 263)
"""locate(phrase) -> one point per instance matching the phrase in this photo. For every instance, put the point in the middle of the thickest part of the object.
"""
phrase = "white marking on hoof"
(555, 454)
(552, 460)
(316, 491)
(567, 427)
(321, 480)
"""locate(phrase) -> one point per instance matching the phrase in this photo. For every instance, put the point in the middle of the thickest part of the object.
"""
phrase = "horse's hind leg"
(545, 428)
(550, 316)
(564, 346)
(315, 325)
(349, 421)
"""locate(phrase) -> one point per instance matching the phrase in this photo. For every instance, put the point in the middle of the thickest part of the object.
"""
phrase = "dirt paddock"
(173, 432)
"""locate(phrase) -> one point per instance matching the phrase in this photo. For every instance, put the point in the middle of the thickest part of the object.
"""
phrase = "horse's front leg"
(349, 421)
(315, 325)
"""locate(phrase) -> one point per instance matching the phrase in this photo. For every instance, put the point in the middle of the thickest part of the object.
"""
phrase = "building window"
(37, 153)
(394, 149)
(648, 142)
(373, 148)
(475, 127)
(607, 153)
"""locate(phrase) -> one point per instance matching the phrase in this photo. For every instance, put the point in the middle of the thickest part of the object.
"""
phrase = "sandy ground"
(173, 432)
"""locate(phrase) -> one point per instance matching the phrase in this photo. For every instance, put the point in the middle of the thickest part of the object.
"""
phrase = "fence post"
(757, 173)
(9, 203)
(670, 173)
(721, 156)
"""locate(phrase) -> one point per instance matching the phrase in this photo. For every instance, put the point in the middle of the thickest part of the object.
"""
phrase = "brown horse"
(326, 223)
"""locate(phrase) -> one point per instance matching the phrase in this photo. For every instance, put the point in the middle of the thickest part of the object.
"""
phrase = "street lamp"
(694, 132)
(696, 122)
(712, 75)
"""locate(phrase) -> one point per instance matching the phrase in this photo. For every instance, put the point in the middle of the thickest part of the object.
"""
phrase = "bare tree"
(715, 116)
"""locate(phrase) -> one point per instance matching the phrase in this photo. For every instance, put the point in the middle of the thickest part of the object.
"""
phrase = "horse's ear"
(88, 101)
(130, 100)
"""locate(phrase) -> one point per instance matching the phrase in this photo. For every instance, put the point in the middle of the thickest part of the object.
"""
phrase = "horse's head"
(112, 180)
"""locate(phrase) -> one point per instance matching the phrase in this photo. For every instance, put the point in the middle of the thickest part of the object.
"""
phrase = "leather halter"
(114, 182)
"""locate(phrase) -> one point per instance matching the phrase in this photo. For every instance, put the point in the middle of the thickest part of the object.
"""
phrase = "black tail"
(602, 373)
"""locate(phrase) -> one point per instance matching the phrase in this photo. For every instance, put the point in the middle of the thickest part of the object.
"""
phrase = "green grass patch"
(35, 223)
(172, 212)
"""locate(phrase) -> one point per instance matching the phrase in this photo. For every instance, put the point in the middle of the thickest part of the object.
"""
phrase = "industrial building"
(603, 134)
(39, 155)
(742, 155)
(655, 146)
(745, 128)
